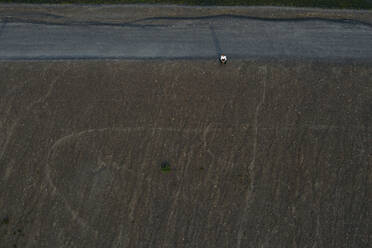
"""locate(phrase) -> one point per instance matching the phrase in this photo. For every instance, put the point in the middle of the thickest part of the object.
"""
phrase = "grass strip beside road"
(352, 4)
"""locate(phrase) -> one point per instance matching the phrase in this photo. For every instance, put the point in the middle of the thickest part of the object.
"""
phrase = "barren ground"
(273, 154)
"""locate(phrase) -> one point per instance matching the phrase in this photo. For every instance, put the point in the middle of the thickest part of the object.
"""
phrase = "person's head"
(223, 59)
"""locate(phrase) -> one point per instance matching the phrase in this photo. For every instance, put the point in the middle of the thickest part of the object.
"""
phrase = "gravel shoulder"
(130, 13)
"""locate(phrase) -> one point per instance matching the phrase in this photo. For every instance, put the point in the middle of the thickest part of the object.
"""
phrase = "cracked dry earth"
(270, 154)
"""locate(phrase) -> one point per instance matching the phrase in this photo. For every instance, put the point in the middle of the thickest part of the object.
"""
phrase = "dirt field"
(261, 154)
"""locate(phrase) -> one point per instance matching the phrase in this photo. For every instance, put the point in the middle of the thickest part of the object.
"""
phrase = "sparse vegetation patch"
(165, 166)
(5, 220)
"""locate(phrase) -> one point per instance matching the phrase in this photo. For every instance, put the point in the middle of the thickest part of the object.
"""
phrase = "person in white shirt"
(223, 59)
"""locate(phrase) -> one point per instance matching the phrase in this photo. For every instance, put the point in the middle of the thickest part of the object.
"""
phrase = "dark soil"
(270, 154)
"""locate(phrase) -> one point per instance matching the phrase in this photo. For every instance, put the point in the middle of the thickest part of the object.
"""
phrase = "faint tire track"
(252, 165)
(67, 138)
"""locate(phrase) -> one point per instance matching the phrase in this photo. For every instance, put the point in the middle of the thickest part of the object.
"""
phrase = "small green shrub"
(5, 220)
(165, 169)
(165, 166)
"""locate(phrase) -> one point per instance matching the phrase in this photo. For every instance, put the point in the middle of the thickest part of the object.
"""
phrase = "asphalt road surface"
(201, 37)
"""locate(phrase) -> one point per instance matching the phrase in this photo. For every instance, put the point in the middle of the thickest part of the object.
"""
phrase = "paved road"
(195, 37)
